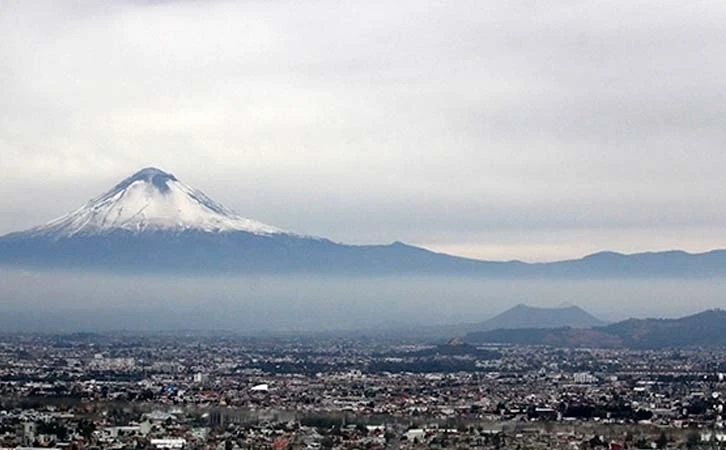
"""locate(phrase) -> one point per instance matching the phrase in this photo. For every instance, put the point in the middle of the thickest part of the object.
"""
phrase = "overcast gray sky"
(535, 130)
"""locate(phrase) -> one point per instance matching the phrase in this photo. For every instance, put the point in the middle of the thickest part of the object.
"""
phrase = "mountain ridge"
(151, 221)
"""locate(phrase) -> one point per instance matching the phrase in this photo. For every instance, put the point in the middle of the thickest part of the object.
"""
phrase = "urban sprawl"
(197, 391)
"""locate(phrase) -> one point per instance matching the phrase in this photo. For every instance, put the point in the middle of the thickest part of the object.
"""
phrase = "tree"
(662, 440)
(628, 436)
(327, 443)
(86, 428)
(692, 439)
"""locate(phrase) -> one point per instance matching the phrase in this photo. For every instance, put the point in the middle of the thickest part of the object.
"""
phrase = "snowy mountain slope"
(150, 200)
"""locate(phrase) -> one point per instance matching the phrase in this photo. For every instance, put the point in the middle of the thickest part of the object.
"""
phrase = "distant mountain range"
(707, 328)
(153, 222)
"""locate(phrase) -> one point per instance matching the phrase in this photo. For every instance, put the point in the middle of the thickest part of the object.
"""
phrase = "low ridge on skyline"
(706, 328)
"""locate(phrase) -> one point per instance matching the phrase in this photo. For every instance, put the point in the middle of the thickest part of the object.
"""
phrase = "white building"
(168, 443)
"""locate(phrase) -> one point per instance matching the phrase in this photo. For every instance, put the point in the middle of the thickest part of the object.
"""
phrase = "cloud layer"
(531, 130)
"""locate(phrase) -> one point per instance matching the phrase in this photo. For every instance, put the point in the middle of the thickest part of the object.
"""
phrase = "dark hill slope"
(707, 329)
(524, 316)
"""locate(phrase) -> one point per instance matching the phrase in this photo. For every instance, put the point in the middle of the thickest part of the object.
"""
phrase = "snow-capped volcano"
(151, 200)
(152, 222)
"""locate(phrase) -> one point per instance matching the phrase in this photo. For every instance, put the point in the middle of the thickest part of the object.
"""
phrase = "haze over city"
(498, 132)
